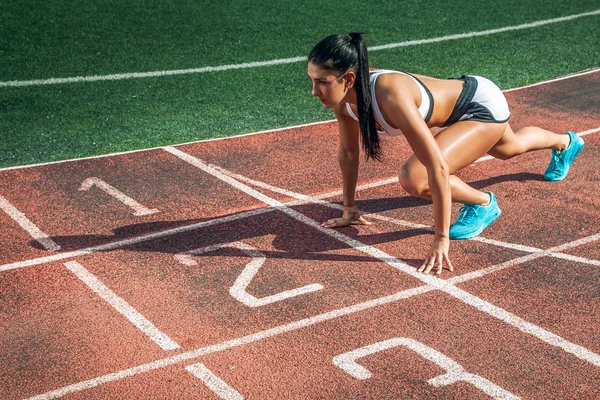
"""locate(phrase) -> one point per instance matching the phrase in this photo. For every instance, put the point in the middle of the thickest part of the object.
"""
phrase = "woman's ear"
(350, 79)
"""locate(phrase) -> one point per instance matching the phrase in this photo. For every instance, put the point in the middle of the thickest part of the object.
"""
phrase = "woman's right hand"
(351, 216)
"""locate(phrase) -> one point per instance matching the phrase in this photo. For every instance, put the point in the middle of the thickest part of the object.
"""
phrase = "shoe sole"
(490, 221)
(568, 168)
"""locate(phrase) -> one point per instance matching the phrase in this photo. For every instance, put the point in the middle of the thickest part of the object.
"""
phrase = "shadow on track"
(291, 239)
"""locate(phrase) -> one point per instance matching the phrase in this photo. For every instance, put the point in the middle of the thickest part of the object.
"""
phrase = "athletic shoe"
(561, 161)
(473, 219)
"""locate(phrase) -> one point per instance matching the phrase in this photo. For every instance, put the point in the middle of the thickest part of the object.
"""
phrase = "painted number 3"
(454, 371)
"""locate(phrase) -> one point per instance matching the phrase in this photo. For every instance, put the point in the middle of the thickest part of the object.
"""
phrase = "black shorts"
(480, 100)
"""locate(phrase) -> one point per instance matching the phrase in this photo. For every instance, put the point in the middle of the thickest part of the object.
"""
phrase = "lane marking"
(122, 307)
(28, 226)
(575, 75)
(169, 232)
(255, 337)
(530, 257)
(214, 383)
(139, 210)
(131, 241)
(560, 78)
(445, 286)
(238, 290)
(588, 132)
(180, 144)
(282, 61)
(454, 371)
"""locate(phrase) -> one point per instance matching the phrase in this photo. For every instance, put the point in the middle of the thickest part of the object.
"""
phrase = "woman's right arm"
(348, 159)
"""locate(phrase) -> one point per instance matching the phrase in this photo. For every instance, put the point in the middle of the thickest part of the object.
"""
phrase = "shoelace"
(557, 165)
(467, 213)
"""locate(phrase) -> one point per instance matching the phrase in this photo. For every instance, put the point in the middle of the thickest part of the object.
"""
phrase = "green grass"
(63, 39)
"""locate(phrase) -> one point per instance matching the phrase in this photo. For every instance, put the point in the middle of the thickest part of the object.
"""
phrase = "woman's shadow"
(291, 239)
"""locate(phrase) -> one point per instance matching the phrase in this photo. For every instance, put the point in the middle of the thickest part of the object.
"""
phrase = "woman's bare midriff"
(445, 93)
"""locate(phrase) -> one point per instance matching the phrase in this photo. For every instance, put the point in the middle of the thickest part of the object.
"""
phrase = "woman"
(473, 111)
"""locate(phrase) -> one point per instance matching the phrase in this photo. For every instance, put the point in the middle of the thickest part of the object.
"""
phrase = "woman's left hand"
(438, 254)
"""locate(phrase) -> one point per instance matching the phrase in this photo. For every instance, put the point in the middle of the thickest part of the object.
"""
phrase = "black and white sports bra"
(425, 109)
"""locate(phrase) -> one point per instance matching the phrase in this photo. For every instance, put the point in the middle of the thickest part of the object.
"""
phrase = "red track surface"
(529, 327)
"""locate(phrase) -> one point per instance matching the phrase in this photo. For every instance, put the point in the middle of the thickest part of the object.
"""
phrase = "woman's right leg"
(565, 148)
(530, 138)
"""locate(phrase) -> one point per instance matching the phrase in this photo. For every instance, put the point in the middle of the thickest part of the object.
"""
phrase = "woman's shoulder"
(389, 81)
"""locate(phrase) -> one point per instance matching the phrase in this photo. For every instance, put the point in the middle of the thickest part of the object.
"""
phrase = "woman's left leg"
(461, 144)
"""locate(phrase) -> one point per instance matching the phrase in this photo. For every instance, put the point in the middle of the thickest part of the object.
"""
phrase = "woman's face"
(328, 87)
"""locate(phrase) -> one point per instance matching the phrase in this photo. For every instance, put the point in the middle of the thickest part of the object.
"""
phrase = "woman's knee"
(412, 183)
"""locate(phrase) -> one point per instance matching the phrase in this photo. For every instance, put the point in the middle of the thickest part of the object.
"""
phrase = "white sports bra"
(425, 109)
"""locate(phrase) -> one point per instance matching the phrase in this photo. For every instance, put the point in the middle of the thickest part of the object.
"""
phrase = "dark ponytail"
(341, 54)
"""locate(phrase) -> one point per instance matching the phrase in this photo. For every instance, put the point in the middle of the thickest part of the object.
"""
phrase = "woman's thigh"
(461, 145)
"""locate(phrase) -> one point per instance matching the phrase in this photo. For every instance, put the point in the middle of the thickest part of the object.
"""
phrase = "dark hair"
(343, 53)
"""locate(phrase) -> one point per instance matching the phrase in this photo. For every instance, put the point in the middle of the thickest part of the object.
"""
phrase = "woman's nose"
(315, 90)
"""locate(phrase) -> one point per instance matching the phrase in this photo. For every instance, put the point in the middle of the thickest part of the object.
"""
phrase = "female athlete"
(473, 112)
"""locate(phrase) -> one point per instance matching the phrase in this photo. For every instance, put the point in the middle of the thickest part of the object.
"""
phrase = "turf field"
(42, 121)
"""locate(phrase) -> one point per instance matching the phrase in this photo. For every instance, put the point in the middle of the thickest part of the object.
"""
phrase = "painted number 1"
(138, 209)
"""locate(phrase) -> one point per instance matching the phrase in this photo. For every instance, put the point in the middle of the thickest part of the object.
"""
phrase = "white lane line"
(287, 128)
(139, 210)
(529, 249)
(271, 130)
(561, 78)
(588, 132)
(214, 383)
(28, 226)
(186, 228)
(154, 74)
(524, 326)
(122, 307)
(131, 241)
(247, 214)
(581, 260)
(246, 339)
(479, 304)
(255, 337)
(529, 257)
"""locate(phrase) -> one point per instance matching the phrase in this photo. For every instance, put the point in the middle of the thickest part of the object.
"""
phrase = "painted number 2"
(454, 371)
(238, 290)
(138, 209)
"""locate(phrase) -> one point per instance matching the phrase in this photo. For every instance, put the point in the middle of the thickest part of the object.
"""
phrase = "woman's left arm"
(402, 112)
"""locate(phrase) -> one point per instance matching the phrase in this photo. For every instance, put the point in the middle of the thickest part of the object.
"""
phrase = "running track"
(200, 271)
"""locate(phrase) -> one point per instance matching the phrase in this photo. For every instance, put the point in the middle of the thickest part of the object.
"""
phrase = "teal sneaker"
(561, 162)
(473, 219)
